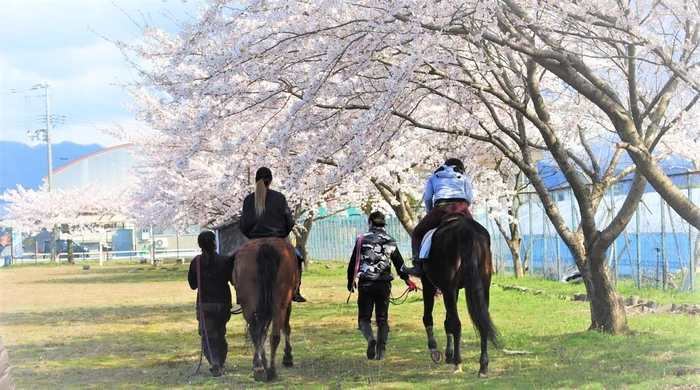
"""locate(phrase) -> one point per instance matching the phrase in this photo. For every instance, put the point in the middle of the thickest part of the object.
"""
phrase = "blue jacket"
(446, 183)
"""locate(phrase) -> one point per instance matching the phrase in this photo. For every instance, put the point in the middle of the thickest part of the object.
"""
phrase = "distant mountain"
(27, 165)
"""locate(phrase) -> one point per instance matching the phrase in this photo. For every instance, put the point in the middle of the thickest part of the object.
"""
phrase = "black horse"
(460, 257)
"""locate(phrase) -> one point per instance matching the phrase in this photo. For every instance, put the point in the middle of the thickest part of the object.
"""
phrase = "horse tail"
(478, 247)
(268, 261)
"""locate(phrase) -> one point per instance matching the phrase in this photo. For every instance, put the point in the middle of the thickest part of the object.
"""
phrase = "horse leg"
(453, 327)
(449, 345)
(487, 331)
(259, 361)
(457, 359)
(484, 357)
(274, 343)
(288, 359)
(429, 291)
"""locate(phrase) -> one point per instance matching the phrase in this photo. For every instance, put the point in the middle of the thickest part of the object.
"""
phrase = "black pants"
(373, 295)
(216, 315)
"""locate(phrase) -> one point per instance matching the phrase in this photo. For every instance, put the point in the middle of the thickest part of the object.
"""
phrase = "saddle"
(428, 238)
(452, 216)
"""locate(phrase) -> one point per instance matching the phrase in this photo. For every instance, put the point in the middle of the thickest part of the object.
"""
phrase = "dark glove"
(352, 286)
(411, 285)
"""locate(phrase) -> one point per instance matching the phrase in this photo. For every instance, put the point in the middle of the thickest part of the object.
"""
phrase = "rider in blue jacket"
(448, 190)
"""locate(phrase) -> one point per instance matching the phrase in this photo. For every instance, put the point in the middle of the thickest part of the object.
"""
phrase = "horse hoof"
(457, 368)
(271, 375)
(259, 374)
(436, 355)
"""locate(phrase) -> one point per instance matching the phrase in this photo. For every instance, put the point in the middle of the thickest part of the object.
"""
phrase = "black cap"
(377, 219)
(263, 173)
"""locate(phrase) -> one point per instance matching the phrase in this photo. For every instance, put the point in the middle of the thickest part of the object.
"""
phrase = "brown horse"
(460, 257)
(266, 275)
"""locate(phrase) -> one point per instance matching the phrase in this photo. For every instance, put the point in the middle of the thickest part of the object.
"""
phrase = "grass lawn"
(133, 326)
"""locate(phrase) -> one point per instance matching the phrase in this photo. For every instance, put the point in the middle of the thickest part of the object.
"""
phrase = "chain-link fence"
(657, 248)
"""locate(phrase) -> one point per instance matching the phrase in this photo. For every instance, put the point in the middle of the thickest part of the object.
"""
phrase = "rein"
(402, 298)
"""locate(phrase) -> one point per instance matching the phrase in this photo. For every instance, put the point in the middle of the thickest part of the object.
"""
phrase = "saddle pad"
(425, 244)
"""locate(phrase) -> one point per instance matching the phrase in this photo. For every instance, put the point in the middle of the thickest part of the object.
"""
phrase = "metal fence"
(334, 238)
(657, 249)
(110, 256)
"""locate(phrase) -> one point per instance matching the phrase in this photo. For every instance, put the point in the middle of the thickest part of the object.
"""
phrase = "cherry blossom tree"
(30, 211)
(576, 85)
(503, 202)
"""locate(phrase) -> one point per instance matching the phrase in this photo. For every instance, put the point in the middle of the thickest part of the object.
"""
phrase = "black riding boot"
(297, 294)
(382, 337)
(417, 268)
(366, 328)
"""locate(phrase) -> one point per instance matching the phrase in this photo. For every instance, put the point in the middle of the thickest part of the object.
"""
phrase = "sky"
(66, 44)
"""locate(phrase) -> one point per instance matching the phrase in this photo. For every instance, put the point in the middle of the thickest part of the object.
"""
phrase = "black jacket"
(214, 278)
(378, 251)
(275, 221)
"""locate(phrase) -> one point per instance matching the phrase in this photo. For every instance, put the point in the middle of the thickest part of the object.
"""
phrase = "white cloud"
(63, 43)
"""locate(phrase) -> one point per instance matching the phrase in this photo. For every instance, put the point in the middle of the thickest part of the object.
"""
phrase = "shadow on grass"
(329, 354)
(123, 274)
(157, 346)
(593, 360)
(127, 315)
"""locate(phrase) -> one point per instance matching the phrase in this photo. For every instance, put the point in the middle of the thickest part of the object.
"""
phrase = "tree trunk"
(513, 241)
(607, 307)
(514, 246)
(302, 239)
(71, 254)
(400, 203)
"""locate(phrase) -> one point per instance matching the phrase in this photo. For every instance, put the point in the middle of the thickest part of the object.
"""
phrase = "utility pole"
(48, 150)
(48, 136)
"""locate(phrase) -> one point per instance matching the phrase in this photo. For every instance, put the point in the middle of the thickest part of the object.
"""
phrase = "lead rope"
(201, 316)
(358, 249)
(395, 301)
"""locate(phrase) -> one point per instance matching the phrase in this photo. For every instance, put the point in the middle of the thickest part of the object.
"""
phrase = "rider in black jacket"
(266, 214)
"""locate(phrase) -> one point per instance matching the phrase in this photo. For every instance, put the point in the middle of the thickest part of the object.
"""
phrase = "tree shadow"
(134, 275)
